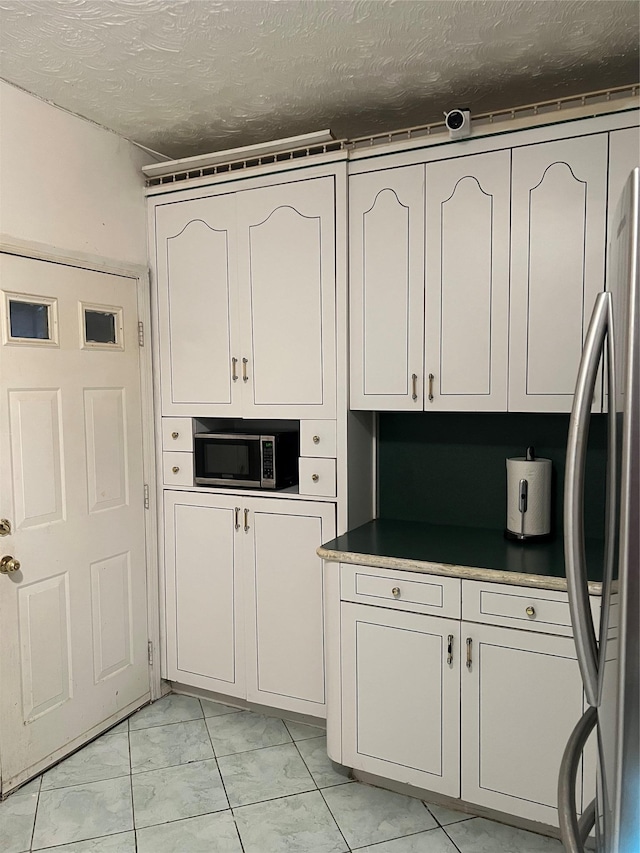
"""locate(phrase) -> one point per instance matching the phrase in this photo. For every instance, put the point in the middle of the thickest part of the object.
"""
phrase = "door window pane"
(99, 327)
(29, 320)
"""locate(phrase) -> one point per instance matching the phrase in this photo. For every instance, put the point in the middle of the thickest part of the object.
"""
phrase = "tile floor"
(191, 776)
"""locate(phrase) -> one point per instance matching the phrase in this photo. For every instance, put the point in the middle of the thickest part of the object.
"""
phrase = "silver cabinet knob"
(315, 477)
(316, 439)
(395, 592)
(175, 469)
(174, 435)
(531, 611)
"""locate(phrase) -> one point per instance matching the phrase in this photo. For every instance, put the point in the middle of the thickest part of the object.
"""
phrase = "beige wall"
(67, 183)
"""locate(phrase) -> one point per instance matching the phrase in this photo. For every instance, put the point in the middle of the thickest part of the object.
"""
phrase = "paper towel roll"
(536, 521)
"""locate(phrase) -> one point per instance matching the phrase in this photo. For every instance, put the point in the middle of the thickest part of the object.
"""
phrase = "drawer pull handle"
(236, 518)
(395, 592)
(245, 377)
(414, 389)
(469, 647)
(234, 370)
(316, 439)
(246, 521)
(431, 378)
(531, 611)
(315, 477)
(450, 649)
(174, 435)
(175, 469)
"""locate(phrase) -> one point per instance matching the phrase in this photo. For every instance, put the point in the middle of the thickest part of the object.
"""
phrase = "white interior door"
(73, 616)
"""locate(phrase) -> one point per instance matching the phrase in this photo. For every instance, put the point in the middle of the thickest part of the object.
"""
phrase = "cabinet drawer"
(318, 477)
(177, 469)
(177, 434)
(400, 590)
(541, 610)
(318, 438)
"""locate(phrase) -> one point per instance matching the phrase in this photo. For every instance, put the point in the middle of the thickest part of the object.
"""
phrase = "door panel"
(197, 306)
(557, 267)
(204, 602)
(286, 267)
(285, 603)
(74, 616)
(386, 222)
(467, 290)
(401, 697)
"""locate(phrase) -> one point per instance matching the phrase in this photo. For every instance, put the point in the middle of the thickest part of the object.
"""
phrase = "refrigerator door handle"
(574, 832)
(574, 548)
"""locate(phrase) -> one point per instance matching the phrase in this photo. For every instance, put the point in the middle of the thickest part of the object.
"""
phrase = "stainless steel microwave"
(247, 459)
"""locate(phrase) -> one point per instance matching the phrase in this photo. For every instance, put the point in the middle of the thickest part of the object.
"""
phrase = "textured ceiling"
(188, 76)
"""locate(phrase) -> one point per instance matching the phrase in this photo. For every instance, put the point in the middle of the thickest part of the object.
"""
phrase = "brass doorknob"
(531, 611)
(8, 565)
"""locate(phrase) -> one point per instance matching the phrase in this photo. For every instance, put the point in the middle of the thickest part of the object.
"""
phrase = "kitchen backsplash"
(449, 468)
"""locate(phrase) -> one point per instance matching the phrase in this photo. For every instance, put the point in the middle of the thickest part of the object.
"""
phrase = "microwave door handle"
(574, 546)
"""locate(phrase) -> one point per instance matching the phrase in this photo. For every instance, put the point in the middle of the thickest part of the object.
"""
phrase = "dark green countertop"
(471, 547)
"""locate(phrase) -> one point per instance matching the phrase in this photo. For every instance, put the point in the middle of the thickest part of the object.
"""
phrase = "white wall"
(67, 183)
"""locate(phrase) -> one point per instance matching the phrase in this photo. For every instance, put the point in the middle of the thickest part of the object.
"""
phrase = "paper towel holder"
(523, 504)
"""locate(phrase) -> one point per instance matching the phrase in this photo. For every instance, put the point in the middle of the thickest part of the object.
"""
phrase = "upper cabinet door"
(287, 279)
(467, 290)
(386, 236)
(197, 307)
(557, 267)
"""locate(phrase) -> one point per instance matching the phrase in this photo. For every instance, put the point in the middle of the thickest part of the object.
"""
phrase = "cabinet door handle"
(175, 469)
(315, 477)
(469, 645)
(174, 435)
(450, 649)
(414, 386)
(316, 439)
(234, 371)
(245, 376)
(431, 378)
(246, 520)
(395, 592)
(236, 518)
(531, 611)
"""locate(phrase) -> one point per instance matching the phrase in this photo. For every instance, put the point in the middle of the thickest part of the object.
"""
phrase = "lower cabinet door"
(285, 603)
(521, 697)
(202, 594)
(401, 696)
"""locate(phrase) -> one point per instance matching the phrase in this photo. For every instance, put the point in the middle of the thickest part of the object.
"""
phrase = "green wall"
(449, 468)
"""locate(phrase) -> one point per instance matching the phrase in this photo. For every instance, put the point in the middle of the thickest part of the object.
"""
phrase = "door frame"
(140, 277)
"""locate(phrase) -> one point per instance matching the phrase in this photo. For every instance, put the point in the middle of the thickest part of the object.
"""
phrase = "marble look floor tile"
(217, 709)
(445, 816)
(367, 815)
(241, 732)
(105, 758)
(432, 841)
(213, 833)
(173, 793)
(166, 746)
(298, 824)
(264, 774)
(173, 708)
(83, 811)
(121, 728)
(314, 755)
(301, 731)
(479, 835)
(17, 814)
(123, 842)
(32, 787)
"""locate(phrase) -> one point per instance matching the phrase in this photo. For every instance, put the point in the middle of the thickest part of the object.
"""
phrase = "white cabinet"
(386, 249)
(521, 697)
(467, 283)
(471, 710)
(246, 302)
(559, 212)
(401, 695)
(244, 597)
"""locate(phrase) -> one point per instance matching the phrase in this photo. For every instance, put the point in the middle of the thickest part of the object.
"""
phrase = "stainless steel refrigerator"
(610, 664)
